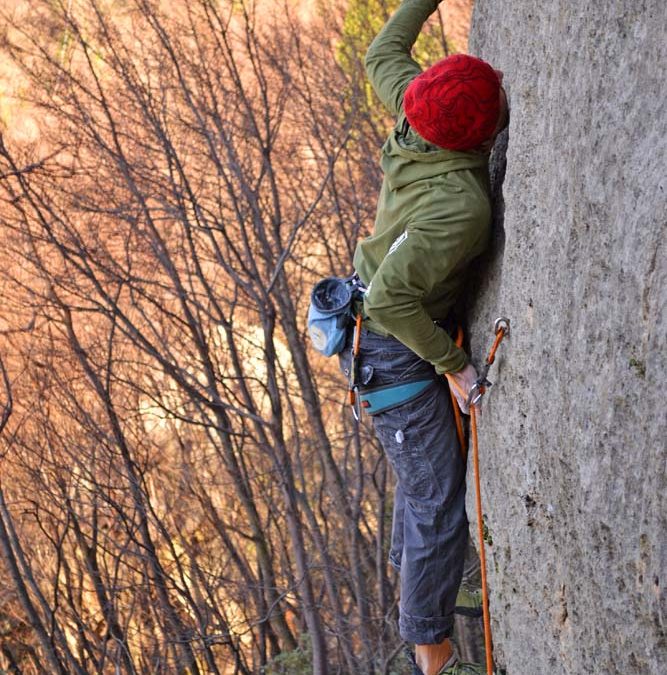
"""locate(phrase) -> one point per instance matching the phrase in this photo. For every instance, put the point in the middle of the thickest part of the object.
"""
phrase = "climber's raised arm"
(389, 66)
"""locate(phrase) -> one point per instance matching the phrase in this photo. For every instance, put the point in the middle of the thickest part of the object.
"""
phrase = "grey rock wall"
(573, 434)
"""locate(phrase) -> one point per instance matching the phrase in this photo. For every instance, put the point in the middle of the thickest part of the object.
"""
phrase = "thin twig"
(7, 408)
(443, 36)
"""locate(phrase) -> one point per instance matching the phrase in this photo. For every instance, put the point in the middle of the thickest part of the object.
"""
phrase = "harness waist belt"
(375, 401)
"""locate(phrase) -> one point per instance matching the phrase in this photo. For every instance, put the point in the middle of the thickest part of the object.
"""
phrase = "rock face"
(573, 434)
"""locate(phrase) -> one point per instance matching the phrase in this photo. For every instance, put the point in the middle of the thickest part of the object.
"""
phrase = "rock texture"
(574, 432)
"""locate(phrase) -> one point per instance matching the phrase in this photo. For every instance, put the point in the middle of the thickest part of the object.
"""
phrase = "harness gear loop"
(353, 388)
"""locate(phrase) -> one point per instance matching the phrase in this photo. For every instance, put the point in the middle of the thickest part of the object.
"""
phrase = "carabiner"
(475, 394)
(501, 323)
(478, 390)
(356, 403)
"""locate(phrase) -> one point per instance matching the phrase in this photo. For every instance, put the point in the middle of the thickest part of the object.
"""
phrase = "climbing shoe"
(460, 668)
(469, 601)
(452, 667)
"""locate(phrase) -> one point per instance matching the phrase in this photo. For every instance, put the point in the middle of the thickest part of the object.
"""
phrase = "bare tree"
(188, 493)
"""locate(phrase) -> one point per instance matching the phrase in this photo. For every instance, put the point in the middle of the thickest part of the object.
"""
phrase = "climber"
(433, 220)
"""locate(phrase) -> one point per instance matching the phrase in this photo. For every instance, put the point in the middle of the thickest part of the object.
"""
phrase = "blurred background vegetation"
(182, 488)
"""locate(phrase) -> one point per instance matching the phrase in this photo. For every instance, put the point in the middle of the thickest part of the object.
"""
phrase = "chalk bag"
(329, 314)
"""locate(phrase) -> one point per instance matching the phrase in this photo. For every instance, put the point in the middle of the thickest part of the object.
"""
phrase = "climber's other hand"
(461, 383)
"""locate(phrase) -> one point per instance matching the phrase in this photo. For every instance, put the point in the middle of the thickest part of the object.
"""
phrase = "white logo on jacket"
(397, 242)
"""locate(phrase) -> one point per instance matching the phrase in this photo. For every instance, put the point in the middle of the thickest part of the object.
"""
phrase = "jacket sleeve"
(389, 66)
(425, 255)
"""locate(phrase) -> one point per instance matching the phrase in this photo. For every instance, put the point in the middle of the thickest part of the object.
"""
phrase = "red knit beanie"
(455, 103)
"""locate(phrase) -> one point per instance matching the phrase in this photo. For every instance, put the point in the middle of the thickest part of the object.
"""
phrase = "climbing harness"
(379, 399)
(374, 400)
(501, 329)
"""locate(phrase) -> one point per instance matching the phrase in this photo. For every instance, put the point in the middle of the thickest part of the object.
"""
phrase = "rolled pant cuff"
(425, 631)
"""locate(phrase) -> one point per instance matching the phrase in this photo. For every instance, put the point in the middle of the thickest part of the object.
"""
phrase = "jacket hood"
(407, 157)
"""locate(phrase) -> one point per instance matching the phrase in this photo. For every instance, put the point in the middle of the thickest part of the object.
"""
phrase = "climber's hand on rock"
(461, 383)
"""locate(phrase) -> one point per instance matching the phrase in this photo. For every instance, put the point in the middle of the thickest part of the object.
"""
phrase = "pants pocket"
(408, 457)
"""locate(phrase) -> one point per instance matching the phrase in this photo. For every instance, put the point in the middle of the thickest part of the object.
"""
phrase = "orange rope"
(357, 334)
(455, 405)
(488, 645)
(496, 343)
(500, 334)
(482, 553)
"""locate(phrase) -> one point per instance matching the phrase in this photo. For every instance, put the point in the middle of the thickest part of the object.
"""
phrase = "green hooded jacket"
(433, 213)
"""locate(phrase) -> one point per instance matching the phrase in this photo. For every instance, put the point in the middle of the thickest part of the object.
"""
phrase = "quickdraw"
(501, 329)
